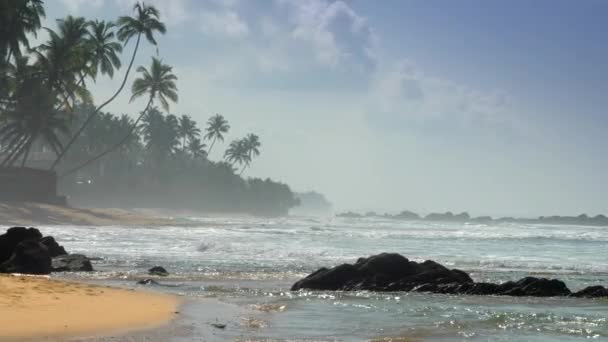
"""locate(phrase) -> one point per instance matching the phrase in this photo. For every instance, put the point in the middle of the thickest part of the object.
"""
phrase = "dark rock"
(158, 271)
(28, 257)
(592, 292)
(382, 272)
(148, 281)
(394, 272)
(71, 263)
(14, 236)
(535, 287)
(54, 248)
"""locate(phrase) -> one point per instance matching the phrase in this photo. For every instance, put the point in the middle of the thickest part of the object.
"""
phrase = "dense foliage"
(155, 160)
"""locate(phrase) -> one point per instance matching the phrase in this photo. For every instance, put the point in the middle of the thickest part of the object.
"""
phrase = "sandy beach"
(39, 308)
(20, 214)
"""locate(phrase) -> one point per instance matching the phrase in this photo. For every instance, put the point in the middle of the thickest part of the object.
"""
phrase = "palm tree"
(18, 18)
(32, 116)
(64, 57)
(217, 126)
(105, 48)
(251, 145)
(197, 149)
(157, 83)
(187, 130)
(146, 23)
(160, 134)
(237, 153)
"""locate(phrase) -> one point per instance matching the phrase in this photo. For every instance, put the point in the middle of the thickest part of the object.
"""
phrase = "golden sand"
(35, 308)
(27, 214)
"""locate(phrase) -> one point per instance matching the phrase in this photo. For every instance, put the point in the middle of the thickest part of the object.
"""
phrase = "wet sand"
(42, 309)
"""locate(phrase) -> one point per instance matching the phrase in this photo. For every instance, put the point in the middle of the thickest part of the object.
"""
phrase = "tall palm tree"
(196, 148)
(237, 153)
(31, 117)
(104, 48)
(146, 22)
(157, 83)
(160, 134)
(18, 18)
(64, 57)
(252, 147)
(217, 126)
(187, 130)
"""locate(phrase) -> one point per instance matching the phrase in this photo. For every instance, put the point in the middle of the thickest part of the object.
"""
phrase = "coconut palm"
(251, 145)
(188, 131)
(160, 135)
(145, 23)
(217, 126)
(104, 48)
(237, 153)
(196, 148)
(156, 83)
(63, 58)
(18, 19)
(32, 117)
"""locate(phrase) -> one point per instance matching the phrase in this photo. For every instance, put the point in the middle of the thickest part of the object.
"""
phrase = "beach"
(40, 308)
(29, 214)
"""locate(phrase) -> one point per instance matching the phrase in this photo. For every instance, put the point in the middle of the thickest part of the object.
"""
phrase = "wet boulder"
(158, 271)
(535, 287)
(28, 257)
(13, 237)
(71, 263)
(394, 272)
(592, 292)
(382, 272)
(54, 248)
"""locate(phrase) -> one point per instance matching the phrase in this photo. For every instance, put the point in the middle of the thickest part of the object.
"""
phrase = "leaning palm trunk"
(243, 169)
(98, 109)
(211, 147)
(113, 147)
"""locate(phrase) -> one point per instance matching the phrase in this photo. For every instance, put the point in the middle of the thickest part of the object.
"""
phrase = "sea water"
(253, 262)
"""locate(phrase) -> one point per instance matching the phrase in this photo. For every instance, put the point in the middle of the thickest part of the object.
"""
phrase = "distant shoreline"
(464, 217)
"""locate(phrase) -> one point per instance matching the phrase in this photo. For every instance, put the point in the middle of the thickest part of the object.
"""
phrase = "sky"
(491, 107)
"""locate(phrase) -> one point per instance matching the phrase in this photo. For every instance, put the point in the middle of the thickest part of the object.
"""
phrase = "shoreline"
(34, 308)
(34, 214)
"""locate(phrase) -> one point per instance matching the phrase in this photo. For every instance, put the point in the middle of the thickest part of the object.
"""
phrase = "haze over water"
(253, 262)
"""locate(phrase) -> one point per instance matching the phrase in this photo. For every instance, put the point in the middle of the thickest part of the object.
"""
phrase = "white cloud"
(404, 90)
(224, 23)
(336, 32)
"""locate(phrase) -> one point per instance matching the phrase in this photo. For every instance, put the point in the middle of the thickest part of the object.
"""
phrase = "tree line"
(46, 103)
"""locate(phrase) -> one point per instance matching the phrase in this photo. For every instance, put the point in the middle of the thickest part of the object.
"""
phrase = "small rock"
(72, 263)
(158, 271)
(148, 281)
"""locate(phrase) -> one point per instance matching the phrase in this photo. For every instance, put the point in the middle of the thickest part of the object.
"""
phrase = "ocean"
(252, 263)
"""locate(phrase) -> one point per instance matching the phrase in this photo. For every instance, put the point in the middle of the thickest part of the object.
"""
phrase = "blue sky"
(492, 107)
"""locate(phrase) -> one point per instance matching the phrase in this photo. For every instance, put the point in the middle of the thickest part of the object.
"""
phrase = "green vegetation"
(155, 160)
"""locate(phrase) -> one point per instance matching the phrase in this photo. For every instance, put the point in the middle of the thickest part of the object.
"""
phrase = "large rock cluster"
(394, 272)
(25, 250)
